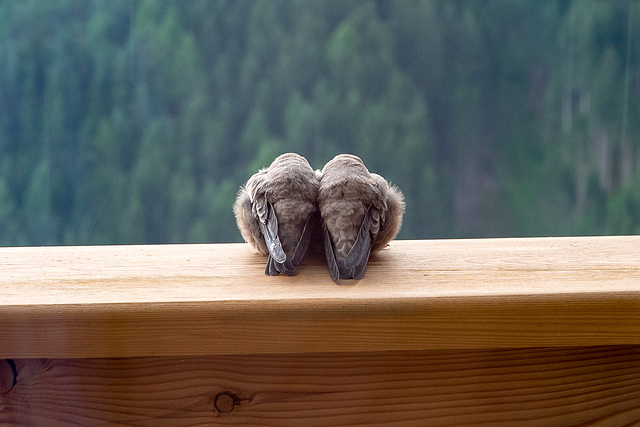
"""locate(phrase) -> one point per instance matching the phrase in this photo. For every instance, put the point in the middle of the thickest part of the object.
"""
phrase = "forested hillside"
(135, 121)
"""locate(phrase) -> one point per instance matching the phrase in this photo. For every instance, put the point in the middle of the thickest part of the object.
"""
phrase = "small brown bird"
(275, 212)
(361, 213)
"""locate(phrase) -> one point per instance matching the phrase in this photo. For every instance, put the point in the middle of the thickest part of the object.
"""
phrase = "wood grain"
(526, 387)
(178, 300)
(7, 376)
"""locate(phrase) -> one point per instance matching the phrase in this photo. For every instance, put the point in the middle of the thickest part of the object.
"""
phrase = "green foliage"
(623, 209)
(137, 121)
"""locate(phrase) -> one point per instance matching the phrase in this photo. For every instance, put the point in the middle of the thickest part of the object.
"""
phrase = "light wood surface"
(176, 300)
(597, 386)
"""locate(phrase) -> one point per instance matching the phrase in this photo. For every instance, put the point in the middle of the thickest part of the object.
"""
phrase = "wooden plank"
(525, 387)
(174, 300)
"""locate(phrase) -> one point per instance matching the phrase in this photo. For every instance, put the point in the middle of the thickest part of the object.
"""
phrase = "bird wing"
(269, 227)
(303, 244)
(354, 264)
(273, 268)
(331, 256)
(358, 255)
(357, 271)
(290, 265)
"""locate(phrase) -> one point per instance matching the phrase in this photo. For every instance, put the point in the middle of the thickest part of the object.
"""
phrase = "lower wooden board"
(527, 387)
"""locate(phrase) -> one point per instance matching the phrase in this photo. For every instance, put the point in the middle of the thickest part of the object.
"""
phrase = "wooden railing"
(536, 331)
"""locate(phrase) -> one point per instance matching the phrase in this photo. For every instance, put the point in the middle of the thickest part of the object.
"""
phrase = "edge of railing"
(178, 300)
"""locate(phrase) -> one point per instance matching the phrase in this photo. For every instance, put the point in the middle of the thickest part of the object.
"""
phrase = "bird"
(276, 212)
(360, 213)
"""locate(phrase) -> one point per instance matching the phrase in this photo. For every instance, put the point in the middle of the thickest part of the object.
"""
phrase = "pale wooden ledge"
(179, 300)
(502, 332)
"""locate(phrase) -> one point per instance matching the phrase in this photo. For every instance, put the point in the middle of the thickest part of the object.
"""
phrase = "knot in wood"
(224, 402)
(8, 375)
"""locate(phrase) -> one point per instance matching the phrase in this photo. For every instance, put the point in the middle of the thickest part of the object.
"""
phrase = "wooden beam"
(521, 387)
(179, 300)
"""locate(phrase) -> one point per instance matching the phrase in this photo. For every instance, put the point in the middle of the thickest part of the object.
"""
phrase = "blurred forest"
(136, 121)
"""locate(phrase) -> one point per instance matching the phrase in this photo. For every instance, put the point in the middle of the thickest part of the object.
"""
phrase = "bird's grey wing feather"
(290, 265)
(357, 271)
(354, 264)
(303, 244)
(331, 257)
(358, 255)
(269, 227)
(272, 267)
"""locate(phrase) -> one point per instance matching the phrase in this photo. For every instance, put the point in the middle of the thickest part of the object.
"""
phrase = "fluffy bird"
(360, 212)
(275, 212)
